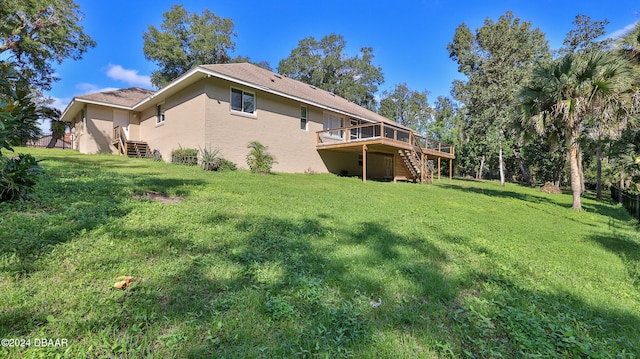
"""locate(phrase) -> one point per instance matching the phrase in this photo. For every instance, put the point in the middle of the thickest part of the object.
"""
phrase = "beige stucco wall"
(183, 125)
(276, 124)
(134, 126)
(77, 130)
(93, 130)
(99, 126)
(200, 116)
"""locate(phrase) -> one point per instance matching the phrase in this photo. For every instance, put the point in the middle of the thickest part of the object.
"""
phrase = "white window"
(243, 101)
(332, 121)
(303, 118)
(159, 114)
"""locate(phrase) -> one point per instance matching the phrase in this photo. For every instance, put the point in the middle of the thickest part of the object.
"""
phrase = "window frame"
(304, 119)
(327, 122)
(160, 114)
(243, 95)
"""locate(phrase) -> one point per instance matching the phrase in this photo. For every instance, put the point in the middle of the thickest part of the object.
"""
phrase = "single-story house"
(226, 106)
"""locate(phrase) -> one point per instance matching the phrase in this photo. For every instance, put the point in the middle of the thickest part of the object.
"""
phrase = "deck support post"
(364, 163)
(438, 168)
(450, 169)
(395, 180)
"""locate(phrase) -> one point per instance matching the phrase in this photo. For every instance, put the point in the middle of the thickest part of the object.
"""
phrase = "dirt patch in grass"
(157, 196)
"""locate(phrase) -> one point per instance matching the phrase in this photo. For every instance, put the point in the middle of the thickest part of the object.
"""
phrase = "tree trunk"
(581, 170)
(501, 164)
(599, 172)
(479, 174)
(526, 175)
(576, 182)
(54, 139)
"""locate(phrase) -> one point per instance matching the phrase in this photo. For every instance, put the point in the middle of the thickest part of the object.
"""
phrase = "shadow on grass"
(627, 249)
(267, 292)
(281, 288)
(64, 208)
(264, 286)
(602, 209)
(517, 322)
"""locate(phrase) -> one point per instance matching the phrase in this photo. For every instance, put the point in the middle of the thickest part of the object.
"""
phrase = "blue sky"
(408, 38)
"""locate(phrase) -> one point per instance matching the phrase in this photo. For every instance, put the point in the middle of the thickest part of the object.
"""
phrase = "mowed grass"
(251, 266)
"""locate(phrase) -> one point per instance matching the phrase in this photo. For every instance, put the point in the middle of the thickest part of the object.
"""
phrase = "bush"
(225, 165)
(258, 159)
(18, 176)
(210, 161)
(187, 156)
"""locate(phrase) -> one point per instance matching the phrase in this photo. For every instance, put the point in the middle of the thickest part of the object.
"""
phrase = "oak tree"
(326, 65)
(186, 40)
(407, 107)
(36, 34)
(496, 59)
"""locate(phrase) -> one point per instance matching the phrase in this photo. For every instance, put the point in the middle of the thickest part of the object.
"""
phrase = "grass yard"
(251, 266)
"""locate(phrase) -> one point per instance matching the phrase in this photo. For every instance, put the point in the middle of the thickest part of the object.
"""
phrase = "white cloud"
(60, 103)
(87, 88)
(619, 33)
(131, 77)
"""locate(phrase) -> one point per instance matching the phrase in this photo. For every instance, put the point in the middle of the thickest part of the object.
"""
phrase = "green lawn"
(251, 266)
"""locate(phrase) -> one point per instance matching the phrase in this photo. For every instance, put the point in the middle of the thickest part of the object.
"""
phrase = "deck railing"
(362, 132)
(380, 130)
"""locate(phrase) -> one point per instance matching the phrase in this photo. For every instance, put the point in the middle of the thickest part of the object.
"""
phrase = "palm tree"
(258, 159)
(58, 127)
(630, 42)
(565, 93)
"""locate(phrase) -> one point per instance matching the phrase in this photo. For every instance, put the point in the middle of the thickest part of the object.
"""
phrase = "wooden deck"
(412, 153)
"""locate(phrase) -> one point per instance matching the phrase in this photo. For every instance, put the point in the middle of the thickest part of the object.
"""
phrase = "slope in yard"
(290, 265)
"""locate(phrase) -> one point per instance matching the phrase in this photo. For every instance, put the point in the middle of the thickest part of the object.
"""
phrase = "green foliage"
(258, 159)
(562, 95)
(35, 34)
(210, 161)
(406, 107)
(186, 40)
(225, 165)
(496, 59)
(582, 38)
(18, 176)
(226, 273)
(186, 156)
(325, 65)
(18, 113)
(208, 155)
(629, 43)
(447, 122)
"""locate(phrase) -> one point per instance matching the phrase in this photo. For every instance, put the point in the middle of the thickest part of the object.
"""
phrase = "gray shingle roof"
(124, 97)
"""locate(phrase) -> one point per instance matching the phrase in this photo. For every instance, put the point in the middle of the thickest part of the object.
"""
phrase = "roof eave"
(282, 94)
(78, 103)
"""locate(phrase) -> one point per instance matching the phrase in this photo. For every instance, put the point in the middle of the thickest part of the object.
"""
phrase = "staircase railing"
(120, 139)
(419, 154)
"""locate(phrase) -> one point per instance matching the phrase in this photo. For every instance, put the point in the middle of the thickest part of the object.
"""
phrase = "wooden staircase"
(137, 149)
(413, 164)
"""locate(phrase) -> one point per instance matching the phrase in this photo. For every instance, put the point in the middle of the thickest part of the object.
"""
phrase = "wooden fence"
(630, 200)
